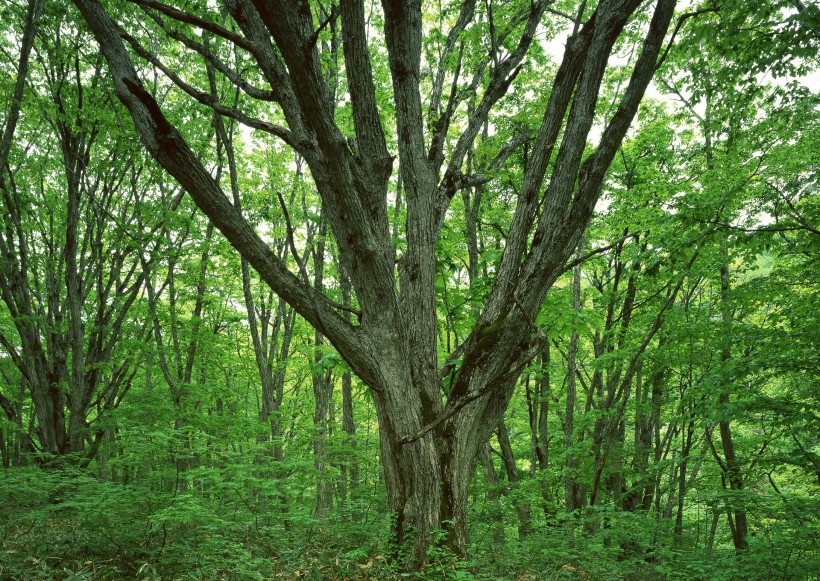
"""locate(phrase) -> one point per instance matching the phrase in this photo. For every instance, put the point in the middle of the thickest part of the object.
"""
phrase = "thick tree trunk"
(416, 481)
(74, 300)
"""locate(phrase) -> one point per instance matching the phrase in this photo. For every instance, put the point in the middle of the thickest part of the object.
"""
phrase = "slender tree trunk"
(538, 401)
(710, 541)
(522, 505)
(574, 491)
(177, 366)
(654, 491)
(22, 435)
(543, 434)
(732, 464)
(647, 419)
(322, 390)
(491, 479)
(686, 446)
(6, 442)
(348, 423)
(266, 334)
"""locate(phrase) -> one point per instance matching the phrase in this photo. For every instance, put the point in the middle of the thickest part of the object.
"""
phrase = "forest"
(457, 289)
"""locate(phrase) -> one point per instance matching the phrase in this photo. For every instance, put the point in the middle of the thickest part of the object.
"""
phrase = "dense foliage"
(167, 415)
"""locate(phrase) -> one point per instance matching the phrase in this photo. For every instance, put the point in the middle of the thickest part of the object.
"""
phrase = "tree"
(429, 436)
(67, 284)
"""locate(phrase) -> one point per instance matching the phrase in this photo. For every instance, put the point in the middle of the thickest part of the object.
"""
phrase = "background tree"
(68, 285)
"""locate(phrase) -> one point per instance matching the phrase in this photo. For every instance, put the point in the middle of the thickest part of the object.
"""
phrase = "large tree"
(431, 429)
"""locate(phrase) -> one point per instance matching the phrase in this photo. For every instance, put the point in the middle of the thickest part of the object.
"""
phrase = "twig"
(527, 318)
(291, 242)
(445, 416)
(577, 261)
(683, 18)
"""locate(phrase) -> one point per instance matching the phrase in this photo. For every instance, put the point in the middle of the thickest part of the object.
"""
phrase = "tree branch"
(291, 243)
(35, 10)
(446, 415)
(359, 71)
(502, 77)
(170, 150)
(488, 173)
(202, 23)
(570, 265)
(797, 214)
(681, 19)
(209, 100)
(203, 50)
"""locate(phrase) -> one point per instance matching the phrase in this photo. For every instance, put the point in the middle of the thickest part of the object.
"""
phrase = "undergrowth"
(68, 525)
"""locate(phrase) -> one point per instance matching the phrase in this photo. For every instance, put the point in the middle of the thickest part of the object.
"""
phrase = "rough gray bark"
(428, 445)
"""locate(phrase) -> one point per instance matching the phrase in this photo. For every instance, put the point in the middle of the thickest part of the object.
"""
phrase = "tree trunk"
(522, 505)
(574, 491)
(491, 479)
(322, 385)
(731, 467)
(348, 423)
(6, 442)
(538, 402)
(647, 418)
(686, 446)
